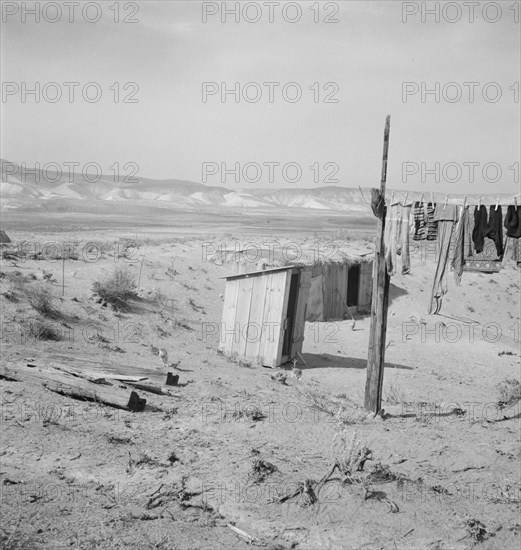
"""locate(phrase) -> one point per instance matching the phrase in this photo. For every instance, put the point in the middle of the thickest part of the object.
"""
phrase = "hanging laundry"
(396, 238)
(463, 237)
(404, 247)
(468, 250)
(480, 228)
(508, 242)
(513, 221)
(445, 212)
(445, 216)
(432, 224)
(420, 222)
(391, 224)
(495, 229)
(412, 223)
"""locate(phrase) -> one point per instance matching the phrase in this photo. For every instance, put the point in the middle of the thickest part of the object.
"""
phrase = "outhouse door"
(353, 285)
(300, 284)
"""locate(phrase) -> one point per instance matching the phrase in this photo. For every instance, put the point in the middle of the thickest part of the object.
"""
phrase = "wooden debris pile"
(113, 390)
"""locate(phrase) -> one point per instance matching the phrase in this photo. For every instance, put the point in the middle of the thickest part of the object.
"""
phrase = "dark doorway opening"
(353, 285)
(292, 310)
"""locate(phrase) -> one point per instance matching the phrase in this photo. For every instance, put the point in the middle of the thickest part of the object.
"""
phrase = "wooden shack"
(264, 315)
(336, 286)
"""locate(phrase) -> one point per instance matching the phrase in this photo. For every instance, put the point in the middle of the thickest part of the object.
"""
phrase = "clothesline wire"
(389, 203)
(500, 201)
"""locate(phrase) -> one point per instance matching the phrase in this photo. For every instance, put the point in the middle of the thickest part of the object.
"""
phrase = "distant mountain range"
(37, 190)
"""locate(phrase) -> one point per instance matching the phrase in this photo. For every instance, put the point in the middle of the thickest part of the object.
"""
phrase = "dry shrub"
(509, 391)
(16, 281)
(261, 469)
(66, 253)
(476, 529)
(40, 329)
(52, 252)
(10, 294)
(17, 277)
(251, 412)
(350, 455)
(394, 393)
(42, 300)
(345, 411)
(117, 288)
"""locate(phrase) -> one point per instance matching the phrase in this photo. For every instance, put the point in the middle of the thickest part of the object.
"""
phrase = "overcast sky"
(367, 56)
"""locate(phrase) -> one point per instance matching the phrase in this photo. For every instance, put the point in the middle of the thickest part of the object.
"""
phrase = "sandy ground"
(80, 475)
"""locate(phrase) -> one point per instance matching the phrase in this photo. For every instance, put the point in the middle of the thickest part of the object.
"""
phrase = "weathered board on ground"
(76, 387)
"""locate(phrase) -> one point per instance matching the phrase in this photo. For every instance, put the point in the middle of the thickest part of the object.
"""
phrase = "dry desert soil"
(224, 447)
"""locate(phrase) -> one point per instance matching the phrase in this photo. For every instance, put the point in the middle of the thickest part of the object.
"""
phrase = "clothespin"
(421, 199)
(464, 202)
(446, 200)
(497, 203)
(392, 197)
(405, 199)
(432, 197)
(515, 201)
(479, 201)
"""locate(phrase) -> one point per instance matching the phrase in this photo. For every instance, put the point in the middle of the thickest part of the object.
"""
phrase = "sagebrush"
(509, 391)
(42, 299)
(39, 330)
(117, 288)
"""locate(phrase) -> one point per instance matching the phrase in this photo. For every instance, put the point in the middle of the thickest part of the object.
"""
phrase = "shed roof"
(262, 272)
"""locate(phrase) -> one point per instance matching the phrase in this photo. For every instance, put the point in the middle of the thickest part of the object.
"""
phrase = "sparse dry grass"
(395, 394)
(345, 412)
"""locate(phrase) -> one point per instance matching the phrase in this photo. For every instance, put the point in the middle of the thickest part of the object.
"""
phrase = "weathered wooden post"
(380, 299)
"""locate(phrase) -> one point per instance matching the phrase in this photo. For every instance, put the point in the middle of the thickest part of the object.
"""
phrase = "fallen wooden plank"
(98, 367)
(76, 387)
(94, 378)
(147, 387)
(250, 539)
(118, 400)
(123, 378)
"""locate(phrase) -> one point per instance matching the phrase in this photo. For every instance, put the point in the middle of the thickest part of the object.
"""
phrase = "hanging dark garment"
(420, 222)
(480, 228)
(495, 229)
(432, 226)
(513, 221)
